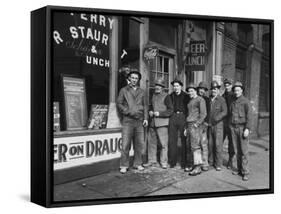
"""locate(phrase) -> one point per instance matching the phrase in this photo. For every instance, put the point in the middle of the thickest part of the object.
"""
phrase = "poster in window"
(98, 117)
(75, 103)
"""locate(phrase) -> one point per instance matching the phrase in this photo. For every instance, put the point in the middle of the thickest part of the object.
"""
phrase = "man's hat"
(228, 81)
(160, 82)
(178, 81)
(203, 85)
(215, 84)
(191, 85)
(134, 72)
(238, 84)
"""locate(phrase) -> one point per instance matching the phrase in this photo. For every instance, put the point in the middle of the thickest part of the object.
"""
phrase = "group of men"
(202, 122)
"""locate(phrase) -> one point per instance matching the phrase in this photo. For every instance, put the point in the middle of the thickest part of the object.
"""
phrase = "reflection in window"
(130, 49)
(159, 68)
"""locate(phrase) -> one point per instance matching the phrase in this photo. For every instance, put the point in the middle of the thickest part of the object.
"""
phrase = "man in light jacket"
(132, 106)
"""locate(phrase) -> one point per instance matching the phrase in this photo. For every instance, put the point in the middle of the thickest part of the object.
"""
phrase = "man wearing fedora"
(228, 96)
(240, 122)
(176, 126)
(196, 109)
(160, 110)
(132, 106)
(218, 111)
(202, 90)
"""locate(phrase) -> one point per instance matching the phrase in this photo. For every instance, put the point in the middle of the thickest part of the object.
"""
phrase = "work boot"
(229, 165)
(148, 164)
(123, 170)
(218, 168)
(245, 178)
(205, 168)
(195, 171)
(188, 169)
(139, 168)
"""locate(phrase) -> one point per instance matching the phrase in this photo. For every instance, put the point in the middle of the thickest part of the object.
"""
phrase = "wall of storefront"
(242, 61)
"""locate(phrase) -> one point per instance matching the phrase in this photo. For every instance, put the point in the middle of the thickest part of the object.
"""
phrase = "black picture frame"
(42, 93)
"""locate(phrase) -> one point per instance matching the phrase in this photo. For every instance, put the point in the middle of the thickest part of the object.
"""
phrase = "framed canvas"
(134, 106)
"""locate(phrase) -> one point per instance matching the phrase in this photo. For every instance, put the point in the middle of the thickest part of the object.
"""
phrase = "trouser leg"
(127, 135)
(183, 140)
(211, 146)
(195, 145)
(218, 138)
(138, 143)
(173, 140)
(204, 146)
(243, 154)
(227, 134)
(189, 155)
(152, 145)
(235, 139)
(162, 133)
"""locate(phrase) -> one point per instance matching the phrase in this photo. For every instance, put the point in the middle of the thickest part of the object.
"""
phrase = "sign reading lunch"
(86, 34)
(80, 150)
(195, 60)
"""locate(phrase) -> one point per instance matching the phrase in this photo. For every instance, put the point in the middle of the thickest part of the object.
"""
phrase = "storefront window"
(130, 49)
(80, 53)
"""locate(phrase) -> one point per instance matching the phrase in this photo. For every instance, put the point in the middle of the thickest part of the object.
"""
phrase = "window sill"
(85, 132)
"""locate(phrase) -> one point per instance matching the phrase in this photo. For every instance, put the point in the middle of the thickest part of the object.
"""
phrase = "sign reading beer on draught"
(81, 150)
(195, 60)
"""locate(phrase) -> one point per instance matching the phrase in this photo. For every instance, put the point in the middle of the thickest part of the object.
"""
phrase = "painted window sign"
(87, 34)
(195, 60)
(80, 150)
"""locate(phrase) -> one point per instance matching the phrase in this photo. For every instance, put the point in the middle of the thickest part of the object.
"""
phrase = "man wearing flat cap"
(133, 108)
(202, 90)
(160, 110)
(228, 96)
(218, 111)
(240, 122)
(176, 126)
(196, 109)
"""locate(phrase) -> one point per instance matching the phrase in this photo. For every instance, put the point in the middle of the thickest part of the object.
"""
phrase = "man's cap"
(160, 82)
(228, 81)
(178, 81)
(238, 84)
(134, 72)
(215, 84)
(191, 85)
(203, 85)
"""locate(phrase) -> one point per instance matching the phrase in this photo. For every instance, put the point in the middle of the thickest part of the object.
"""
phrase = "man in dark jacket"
(218, 110)
(160, 110)
(177, 120)
(228, 96)
(202, 91)
(132, 106)
(196, 109)
(240, 122)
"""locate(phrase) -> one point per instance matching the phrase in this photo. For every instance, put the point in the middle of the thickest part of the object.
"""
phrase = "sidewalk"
(157, 181)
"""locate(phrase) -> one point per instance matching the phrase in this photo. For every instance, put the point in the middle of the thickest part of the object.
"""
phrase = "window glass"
(81, 50)
(130, 49)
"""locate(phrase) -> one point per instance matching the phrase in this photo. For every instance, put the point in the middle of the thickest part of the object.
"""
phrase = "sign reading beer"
(195, 60)
(82, 150)
(75, 103)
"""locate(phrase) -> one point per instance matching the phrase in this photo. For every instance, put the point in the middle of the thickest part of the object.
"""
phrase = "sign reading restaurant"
(195, 60)
(88, 35)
